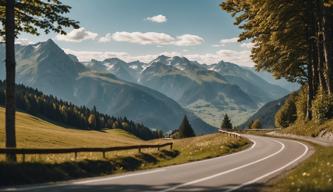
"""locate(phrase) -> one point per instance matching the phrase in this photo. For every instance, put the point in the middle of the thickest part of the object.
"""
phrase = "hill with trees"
(56, 110)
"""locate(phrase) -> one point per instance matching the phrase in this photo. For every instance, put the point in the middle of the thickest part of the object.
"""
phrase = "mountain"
(209, 91)
(280, 82)
(126, 71)
(196, 88)
(266, 114)
(47, 67)
(249, 82)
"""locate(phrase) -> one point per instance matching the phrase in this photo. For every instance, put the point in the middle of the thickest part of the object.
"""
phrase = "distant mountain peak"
(113, 60)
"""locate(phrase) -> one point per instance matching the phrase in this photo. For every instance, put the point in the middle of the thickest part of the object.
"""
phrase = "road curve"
(242, 171)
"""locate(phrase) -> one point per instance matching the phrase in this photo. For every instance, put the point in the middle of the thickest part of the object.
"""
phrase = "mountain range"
(158, 93)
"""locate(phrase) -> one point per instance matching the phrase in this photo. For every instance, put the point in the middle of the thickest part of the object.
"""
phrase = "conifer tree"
(226, 123)
(185, 129)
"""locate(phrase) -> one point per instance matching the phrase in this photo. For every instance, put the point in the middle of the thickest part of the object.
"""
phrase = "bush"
(322, 107)
(256, 124)
(286, 115)
(301, 103)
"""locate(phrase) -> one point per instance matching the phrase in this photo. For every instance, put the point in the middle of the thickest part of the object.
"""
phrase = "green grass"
(313, 175)
(309, 129)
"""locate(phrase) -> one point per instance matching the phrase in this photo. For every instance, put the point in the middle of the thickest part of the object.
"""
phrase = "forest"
(36, 103)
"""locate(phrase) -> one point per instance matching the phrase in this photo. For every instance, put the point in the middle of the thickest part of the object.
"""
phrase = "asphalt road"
(243, 171)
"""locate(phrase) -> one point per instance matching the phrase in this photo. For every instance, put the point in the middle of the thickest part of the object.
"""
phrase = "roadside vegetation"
(314, 174)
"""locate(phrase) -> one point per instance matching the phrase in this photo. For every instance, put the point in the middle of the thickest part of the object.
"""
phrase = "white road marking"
(228, 171)
(81, 182)
(117, 177)
(274, 171)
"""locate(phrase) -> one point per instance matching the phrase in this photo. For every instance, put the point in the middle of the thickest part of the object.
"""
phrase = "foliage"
(322, 107)
(226, 123)
(291, 39)
(36, 103)
(314, 174)
(301, 104)
(256, 124)
(250, 124)
(286, 115)
(30, 16)
(185, 129)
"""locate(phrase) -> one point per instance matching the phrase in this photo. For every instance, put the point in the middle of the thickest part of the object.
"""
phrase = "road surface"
(243, 171)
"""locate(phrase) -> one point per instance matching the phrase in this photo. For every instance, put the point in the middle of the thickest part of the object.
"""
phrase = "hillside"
(266, 114)
(35, 132)
(48, 68)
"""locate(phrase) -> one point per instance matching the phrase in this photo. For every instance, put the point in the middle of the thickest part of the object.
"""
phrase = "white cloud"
(106, 38)
(153, 38)
(143, 38)
(223, 42)
(188, 40)
(23, 41)
(231, 40)
(237, 57)
(77, 35)
(157, 19)
(249, 45)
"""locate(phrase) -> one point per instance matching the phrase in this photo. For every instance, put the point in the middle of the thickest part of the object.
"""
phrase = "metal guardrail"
(103, 150)
(230, 133)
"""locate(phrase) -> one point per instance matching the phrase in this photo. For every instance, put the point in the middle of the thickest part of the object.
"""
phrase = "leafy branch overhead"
(34, 16)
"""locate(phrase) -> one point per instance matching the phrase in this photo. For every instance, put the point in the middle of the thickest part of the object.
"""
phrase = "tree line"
(291, 39)
(51, 108)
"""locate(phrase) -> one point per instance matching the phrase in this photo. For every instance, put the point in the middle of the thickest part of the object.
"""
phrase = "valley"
(174, 86)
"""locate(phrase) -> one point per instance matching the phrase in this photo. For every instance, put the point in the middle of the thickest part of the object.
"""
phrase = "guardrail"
(75, 151)
(230, 133)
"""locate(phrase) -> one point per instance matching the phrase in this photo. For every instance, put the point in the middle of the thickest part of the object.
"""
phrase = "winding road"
(242, 171)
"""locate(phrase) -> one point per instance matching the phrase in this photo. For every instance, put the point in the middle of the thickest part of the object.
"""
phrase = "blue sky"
(143, 29)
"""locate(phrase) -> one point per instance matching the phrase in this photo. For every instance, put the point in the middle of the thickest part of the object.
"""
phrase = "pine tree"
(185, 129)
(226, 123)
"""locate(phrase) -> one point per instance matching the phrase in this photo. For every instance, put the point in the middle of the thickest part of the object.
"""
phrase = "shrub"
(301, 103)
(286, 115)
(322, 107)
(256, 124)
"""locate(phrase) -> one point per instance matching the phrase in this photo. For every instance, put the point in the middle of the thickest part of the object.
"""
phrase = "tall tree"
(185, 129)
(226, 123)
(30, 17)
(292, 39)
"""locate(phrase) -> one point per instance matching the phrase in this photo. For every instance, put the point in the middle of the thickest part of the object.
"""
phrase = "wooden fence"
(76, 151)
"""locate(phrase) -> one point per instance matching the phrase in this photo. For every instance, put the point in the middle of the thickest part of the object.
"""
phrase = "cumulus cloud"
(23, 41)
(188, 40)
(238, 57)
(157, 19)
(153, 38)
(77, 35)
(223, 42)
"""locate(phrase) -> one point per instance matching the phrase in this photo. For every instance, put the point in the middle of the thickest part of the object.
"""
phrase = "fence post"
(104, 154)
(75, 155)
(139, 149)
(171, 146)
(23, 157)
(158, 148)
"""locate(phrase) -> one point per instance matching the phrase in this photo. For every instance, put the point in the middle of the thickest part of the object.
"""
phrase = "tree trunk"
(320, 46)
(10, 78)
(328, 47)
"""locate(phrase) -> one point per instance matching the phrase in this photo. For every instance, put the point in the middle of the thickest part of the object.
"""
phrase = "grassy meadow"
(34, 132)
